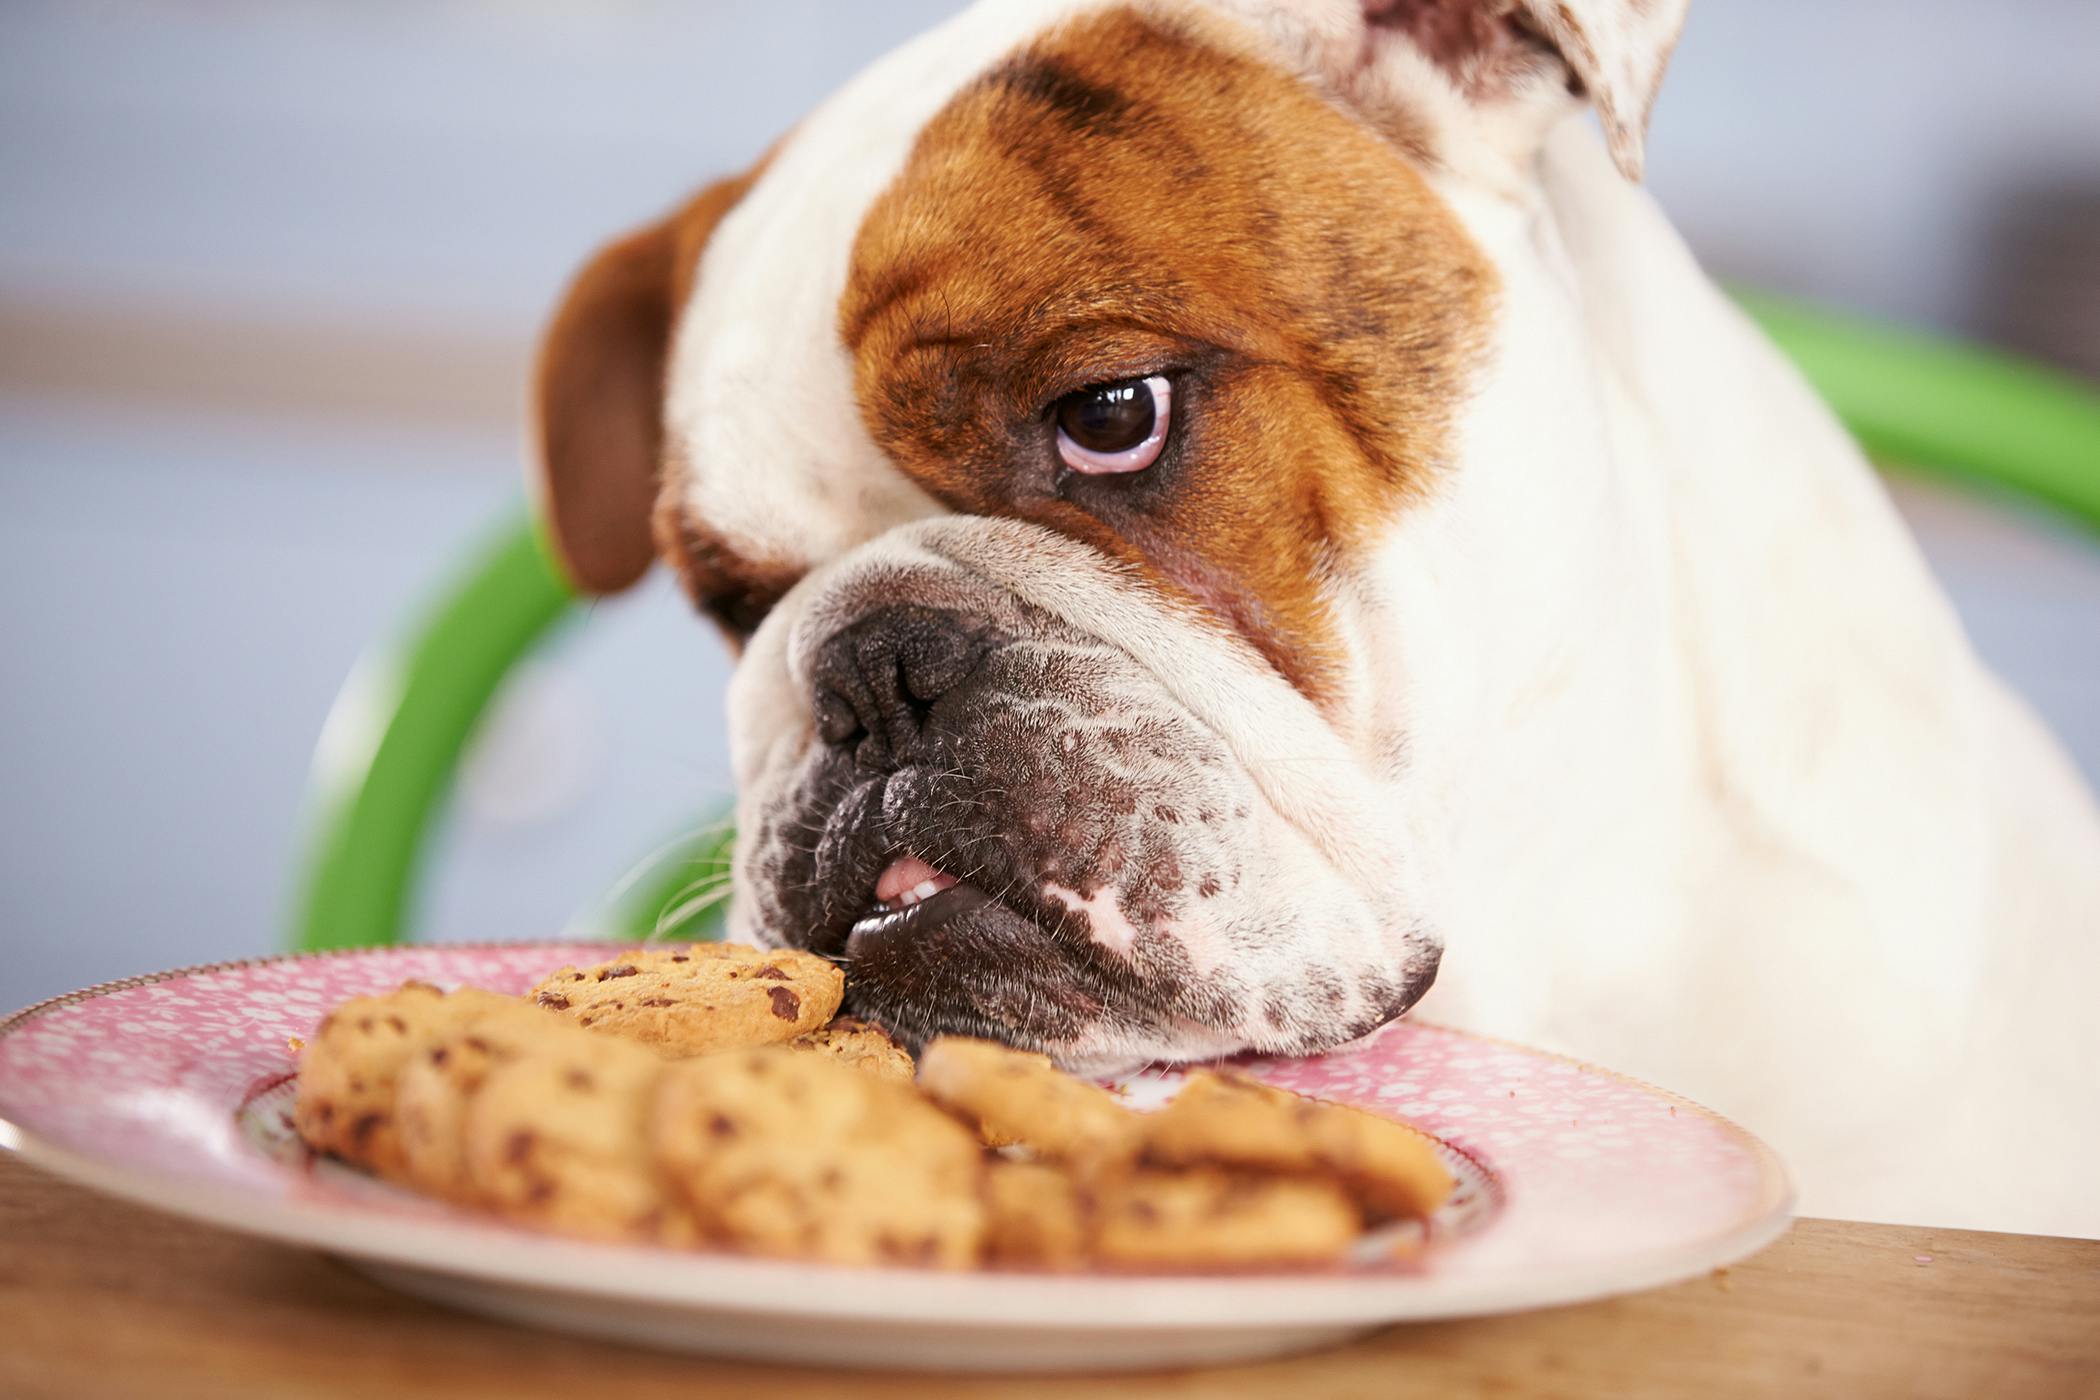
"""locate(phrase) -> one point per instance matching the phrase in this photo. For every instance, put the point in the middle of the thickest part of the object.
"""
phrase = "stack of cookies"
(705, 1095)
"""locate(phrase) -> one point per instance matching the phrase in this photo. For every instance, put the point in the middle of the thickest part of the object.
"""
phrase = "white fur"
(1619, 50)
(1655, 712)
(1730, 804)
(760, 397)
(1379, 76)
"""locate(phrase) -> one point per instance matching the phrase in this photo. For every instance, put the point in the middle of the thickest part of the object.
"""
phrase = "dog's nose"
(878, 679)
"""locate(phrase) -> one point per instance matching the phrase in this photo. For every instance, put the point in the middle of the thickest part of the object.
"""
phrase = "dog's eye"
(1115, 427)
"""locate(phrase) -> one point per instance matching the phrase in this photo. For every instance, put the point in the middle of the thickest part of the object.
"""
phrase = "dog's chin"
(962, 963)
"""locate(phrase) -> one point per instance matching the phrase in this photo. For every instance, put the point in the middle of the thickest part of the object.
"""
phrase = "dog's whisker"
(672, 918)
(655, 857)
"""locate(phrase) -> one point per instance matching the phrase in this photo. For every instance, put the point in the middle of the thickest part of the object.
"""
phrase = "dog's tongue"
(908, 875)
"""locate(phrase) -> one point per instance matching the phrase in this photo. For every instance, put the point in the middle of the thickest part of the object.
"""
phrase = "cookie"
(863, 1045)
(558, 1138)
(788, 1153)
(1212, 1218)
(1017, 1096)
(697, 998)
(442, 1078)
(351, 1064)
(1390, 1168)
(1037, 1216)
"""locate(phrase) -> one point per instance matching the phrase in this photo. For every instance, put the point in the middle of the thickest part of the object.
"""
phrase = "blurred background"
(270, 275)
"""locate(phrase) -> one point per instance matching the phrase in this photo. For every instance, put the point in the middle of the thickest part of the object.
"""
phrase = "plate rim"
(723, 1282)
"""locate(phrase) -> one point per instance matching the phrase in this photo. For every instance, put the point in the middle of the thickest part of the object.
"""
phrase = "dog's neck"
(1676, 627)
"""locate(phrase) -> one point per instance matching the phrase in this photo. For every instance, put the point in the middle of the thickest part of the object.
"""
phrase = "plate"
(1575, 1183)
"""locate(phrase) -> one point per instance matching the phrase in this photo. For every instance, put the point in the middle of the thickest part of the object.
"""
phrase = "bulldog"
(1232, 511)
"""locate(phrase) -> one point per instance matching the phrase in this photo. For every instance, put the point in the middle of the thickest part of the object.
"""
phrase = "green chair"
(394, 738)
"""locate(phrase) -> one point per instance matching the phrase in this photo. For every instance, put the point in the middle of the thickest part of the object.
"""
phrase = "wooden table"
(103, 1299)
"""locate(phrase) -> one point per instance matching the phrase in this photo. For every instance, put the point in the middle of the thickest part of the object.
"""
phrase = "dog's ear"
(598, 393)
(1618, 50)
(1500, 51)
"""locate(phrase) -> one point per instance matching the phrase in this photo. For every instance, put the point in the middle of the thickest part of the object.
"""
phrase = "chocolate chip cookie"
(1388, 1167)
(1019, 1097)
(442, 1078)
(863, 1045)
(558, 1138)
(1038, 1216)
(350, 1066)
(786, 1153)
(1208, 1217)
(697, 998)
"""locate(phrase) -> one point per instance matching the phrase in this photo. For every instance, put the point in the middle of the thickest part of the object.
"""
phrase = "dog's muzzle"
(1006, 827)
(943, 802)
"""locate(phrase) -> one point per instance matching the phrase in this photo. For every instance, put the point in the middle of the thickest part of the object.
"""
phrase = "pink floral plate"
(1574, 1183)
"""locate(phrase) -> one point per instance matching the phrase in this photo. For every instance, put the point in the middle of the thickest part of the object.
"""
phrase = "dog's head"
(1042, 419)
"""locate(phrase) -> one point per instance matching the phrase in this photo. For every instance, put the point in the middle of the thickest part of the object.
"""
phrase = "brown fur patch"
(736, 589)
(607, 479)
(598, 390)
(1126, 197)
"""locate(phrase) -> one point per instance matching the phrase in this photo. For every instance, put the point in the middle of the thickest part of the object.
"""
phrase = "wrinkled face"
(1035, 421)
(1022, 802)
